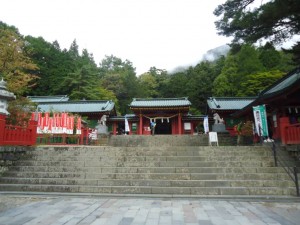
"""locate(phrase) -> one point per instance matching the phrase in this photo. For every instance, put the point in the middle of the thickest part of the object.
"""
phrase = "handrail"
(292, 171)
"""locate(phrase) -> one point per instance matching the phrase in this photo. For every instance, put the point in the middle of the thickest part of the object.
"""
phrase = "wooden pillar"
(179, 124)
(2, 128)
(141, 125)
(192, 128)
(114, 128)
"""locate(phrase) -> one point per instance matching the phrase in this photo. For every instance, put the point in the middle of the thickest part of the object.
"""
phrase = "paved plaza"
(97, 210)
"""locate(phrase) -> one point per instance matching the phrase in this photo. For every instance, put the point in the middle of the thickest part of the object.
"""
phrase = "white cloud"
(161, 33)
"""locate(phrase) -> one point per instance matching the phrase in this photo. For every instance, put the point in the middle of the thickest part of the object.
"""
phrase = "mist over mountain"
(210, 55)
(215, 53)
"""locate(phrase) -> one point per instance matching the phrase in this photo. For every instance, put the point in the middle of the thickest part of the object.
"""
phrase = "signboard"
(133, 127)
(260, 118)
(187, 126)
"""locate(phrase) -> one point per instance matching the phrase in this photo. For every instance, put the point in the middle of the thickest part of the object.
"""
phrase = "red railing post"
(33, 131)
(2, 128)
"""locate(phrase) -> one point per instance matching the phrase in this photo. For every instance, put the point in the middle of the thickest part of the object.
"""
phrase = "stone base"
(219, 128)
(102, 129)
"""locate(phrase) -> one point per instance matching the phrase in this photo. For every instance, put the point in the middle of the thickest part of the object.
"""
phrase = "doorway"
(163, 127)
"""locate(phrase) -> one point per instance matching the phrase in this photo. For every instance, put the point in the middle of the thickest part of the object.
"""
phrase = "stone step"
(150, 190)
(154, 176)
(80, 164)
(156, 149)
(149, 182)
(148, 169)
(97, 159)
(156, 169)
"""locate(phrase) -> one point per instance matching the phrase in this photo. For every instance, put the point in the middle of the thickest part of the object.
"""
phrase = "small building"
(282, 101)
(93, 110)
(226, 106)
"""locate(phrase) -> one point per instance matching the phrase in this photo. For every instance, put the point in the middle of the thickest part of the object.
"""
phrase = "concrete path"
(89, 210)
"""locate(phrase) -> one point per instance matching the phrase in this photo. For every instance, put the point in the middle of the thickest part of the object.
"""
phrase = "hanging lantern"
(168, 120)
(162, 120)
(296, 109)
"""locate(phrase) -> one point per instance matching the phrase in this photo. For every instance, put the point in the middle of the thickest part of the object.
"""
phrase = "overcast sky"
(161, 33)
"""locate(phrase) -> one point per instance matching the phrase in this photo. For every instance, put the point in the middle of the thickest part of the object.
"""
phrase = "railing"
(292, 171)
(292, 134)
(17, 135)
(64, 139)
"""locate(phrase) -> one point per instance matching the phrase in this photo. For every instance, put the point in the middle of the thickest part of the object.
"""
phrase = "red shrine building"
(171, 116)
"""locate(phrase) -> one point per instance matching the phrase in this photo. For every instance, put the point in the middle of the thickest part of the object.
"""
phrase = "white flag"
(205, 125)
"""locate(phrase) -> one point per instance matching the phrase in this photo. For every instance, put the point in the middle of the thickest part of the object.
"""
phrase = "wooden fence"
(16, 135)
(292, 134)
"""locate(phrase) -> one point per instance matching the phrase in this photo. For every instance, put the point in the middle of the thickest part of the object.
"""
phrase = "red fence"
(64, 139)
(16, 135)
(292, 134)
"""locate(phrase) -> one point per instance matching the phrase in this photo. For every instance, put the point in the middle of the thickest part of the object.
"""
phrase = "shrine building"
(171, 116)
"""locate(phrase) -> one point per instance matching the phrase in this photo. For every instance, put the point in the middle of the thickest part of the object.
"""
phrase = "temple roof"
(160, 102)
(281, 91)
(56, 98)
(283, 84)
(229, 103)
(78, 106)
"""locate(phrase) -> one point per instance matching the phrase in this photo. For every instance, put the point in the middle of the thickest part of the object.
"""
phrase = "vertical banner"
(126, 125)
(64, 122)
(205, 125)
(260, 118)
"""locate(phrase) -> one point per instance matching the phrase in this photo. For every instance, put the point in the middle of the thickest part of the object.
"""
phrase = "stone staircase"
(151, 166)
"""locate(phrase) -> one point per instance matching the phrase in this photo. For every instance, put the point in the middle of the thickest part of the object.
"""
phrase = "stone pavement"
(98, 210)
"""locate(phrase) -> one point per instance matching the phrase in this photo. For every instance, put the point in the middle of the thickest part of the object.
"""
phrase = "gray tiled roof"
(228, 103)
(56, 98)
(282, 84)
(77, 106)
(160, 102)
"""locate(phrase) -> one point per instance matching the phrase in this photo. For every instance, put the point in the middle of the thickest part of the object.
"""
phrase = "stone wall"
(9, 154)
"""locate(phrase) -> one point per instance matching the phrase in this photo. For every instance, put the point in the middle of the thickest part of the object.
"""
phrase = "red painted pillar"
(179, 124)
(114, 128)
(33, 128)
(141, 125)
(283, 123)
(2, 128)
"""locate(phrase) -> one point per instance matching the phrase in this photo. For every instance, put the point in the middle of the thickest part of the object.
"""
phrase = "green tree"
(227, 83)
(15, 66)
(276, 20)
(258, 82)
(149, 85)
(119, 77)
(248, 62)
(200, 84)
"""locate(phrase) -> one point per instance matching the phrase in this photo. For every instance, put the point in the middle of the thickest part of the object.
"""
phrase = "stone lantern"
(4, 97)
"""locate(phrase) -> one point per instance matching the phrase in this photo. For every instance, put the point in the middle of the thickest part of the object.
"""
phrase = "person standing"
(152, 126)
